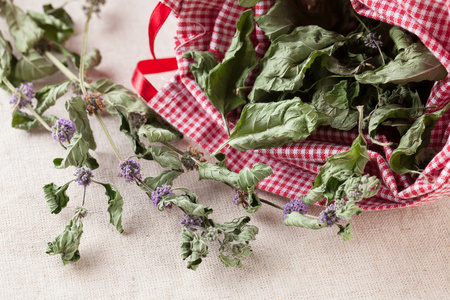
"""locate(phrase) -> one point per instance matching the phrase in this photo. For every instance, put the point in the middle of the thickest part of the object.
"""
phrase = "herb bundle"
(328, 66)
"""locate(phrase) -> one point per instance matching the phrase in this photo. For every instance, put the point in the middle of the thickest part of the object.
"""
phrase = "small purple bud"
(84, 176)
(190, 222)
(22, 95)
(296, 205)
(328, 216)
(129, 169)
(160, 191)
(63, 130)
(371, 41)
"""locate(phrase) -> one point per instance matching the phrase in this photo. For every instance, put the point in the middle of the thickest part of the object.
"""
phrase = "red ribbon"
(152, 66)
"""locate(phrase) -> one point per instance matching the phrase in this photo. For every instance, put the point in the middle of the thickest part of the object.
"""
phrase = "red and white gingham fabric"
(210, 25)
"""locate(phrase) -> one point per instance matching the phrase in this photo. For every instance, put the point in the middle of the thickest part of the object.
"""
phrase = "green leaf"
(402, 40)
(205, 62)
(164, 178)
(345, 232)
(249, 178)
(56, 196)
(59, 13)
(129, 130)
(342, 94)
(76, 155)
(417, 137)
(117, 95)
(187, 203)
(165, 157)
(248, 3)
(288, 58)
(281, 19)
(338, 168)
(333, 99)
(23, 29)
(54, 29)
(299, 220)
(5, 57)
(234, 224)
(416, 63)
(238, 251)
(92, 59)
(193, 247)
(230, 261)
(157, 133)
(266, 125)
(285, 15)
(384, 113)
(33, 66)
(226, 77)
(348, 210)
(77, 113)
(21, 120)
(115, 204)
(47, 96)
(67, 243)
(217, 173)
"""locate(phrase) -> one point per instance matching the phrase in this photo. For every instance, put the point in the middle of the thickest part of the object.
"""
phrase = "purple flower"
(371, 41)
(190, 222)
(294, 205)
(63, 130)
(160, 191)
(22, 95)
(328, 216)
(129, 169)
(84, 176)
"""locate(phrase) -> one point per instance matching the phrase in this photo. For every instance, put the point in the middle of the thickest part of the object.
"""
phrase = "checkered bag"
(210, 25)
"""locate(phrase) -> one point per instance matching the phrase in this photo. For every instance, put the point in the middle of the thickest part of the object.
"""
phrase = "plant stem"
(270, 203)
(173, 148)
(144, 185)
(38, 117)
(9, 84)
(83, 50)
(105, 130)
(225, 122)
(60, 66)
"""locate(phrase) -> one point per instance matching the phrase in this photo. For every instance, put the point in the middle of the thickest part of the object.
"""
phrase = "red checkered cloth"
(210, 25)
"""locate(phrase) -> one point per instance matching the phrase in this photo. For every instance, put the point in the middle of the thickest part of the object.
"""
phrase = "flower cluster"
(83, 176)
(296, 205)
(191, 222)
(22, 95)
(372, 41)
(161, 191)
(328, 216)
(94, 102)
(187, 160)
(240, 198)
(212, 233)
(129, 169)
(95, 4)
(63, 130)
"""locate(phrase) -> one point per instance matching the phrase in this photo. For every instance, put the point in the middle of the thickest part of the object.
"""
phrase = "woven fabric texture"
(206, 25)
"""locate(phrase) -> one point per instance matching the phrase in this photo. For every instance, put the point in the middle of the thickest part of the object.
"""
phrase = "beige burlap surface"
(399, 254)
